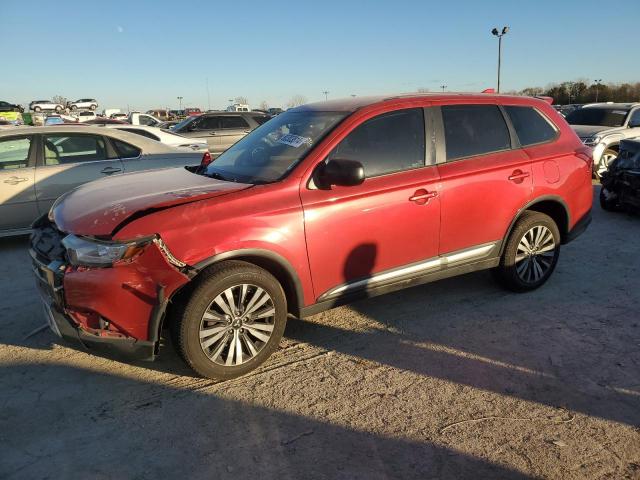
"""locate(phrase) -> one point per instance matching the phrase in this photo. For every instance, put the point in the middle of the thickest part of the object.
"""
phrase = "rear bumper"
(579, 228)
(49, 280)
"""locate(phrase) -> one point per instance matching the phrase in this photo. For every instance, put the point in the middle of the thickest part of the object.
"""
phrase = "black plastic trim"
(579, 228)
(554, 198)
(398, 285)
(261, 253)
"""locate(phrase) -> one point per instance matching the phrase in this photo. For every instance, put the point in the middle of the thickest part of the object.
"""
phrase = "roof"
(356, 103)
(146, 144)
(612, 105)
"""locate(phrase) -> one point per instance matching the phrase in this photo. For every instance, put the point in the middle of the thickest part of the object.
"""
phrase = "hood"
(585, 131)
(99, 208)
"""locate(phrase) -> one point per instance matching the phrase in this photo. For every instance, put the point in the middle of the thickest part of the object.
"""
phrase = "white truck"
(136, 118)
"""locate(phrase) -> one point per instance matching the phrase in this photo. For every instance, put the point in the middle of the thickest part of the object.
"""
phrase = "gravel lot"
(457, 379)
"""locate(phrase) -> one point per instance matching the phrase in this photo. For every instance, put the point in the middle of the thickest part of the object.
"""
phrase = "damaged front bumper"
(114, 310)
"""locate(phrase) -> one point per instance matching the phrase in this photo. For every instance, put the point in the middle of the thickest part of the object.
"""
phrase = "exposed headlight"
(94, 253)
(593, 140)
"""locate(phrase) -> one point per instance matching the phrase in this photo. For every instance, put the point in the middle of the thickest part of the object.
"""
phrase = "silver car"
(220, 129)
(38, 164)
(602, 126)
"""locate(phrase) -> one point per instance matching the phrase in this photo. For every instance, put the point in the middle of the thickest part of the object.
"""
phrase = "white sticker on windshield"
(294, 140)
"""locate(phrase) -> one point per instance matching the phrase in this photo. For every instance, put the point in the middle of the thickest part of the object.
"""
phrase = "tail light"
(585, 154)
(206, 160)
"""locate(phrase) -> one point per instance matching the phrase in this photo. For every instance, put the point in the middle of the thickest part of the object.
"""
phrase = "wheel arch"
(550, 205)
(275, 264)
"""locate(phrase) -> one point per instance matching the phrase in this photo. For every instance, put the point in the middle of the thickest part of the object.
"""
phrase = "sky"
(144, 54)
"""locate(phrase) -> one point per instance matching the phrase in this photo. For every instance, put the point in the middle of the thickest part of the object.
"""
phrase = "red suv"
(321, 205)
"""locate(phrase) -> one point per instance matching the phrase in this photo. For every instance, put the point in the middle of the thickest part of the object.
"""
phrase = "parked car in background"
(602, 126)
(164, 136)
(136, 118)
(38, 164)
(160, 114)
(105, 121)
(54, 120)
(176, 114)
(86, 115)
(119, 116)
(10, 107)
(324, 204)
(275, 111)
(220, 129)
(168, 124)
(107, 112)
(83, 104)
(621, 182)
(238, 107)
(192, 111)
(45, 105)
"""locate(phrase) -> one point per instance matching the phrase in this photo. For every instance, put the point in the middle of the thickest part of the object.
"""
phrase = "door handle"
(110, 170)
(15, 180)
(518, 176)
(422, 197)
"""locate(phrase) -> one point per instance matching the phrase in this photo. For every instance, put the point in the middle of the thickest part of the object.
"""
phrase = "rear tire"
(58, 109)
(93, 107)
(531, 253)
(223, 338)
(37, 109)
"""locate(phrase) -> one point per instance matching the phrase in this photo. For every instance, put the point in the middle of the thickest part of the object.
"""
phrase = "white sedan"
(164, 136)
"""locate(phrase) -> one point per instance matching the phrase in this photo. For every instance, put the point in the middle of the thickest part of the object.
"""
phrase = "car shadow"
(100, 425)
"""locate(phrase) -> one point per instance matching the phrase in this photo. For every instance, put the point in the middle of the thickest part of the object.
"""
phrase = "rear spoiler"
(549, 100)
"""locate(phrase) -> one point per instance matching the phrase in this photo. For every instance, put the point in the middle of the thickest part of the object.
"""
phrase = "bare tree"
(60, 99)
(242, 100)
(296, 101)
(264, 105)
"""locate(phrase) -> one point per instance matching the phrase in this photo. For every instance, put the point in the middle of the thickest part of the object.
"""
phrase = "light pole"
(499, 34)
(570, 90)
(598, 82)
(326, 92)
(180, 100)
(443, 87)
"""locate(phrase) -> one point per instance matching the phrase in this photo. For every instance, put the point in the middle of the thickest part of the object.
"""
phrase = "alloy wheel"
(237, 325)
(535, 254)
(605, 161)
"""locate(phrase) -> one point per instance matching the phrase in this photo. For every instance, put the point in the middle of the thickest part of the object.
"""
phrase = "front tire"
(233, 320)
(531, 253)
(58, 109)
(93, 107)
(37, 109)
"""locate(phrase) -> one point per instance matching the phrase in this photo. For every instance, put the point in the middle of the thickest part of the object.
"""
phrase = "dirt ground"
(457, 379)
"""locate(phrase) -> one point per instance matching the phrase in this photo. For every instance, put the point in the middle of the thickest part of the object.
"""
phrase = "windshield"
(605, 117)
(273, 149)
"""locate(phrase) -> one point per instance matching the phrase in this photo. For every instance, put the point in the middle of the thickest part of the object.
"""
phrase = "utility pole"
(443, 87)
(598, 82)
(499, 34)
(208, 96)
(180, 100)
(326, 92)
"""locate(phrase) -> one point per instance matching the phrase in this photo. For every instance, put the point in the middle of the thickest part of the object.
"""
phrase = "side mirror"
(344, 173)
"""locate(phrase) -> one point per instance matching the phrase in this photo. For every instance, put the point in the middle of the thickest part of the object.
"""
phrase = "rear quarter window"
(530, 125)
(126, 150)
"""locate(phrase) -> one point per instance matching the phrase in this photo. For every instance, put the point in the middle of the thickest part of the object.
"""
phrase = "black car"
(10, 107)
(621, 184)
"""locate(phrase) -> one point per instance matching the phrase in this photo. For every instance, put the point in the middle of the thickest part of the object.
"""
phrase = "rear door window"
(389, 143)
(14, 153)
(474, 130)
(234, 122)
(530, 125)
(73, 148)
(207, 123)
